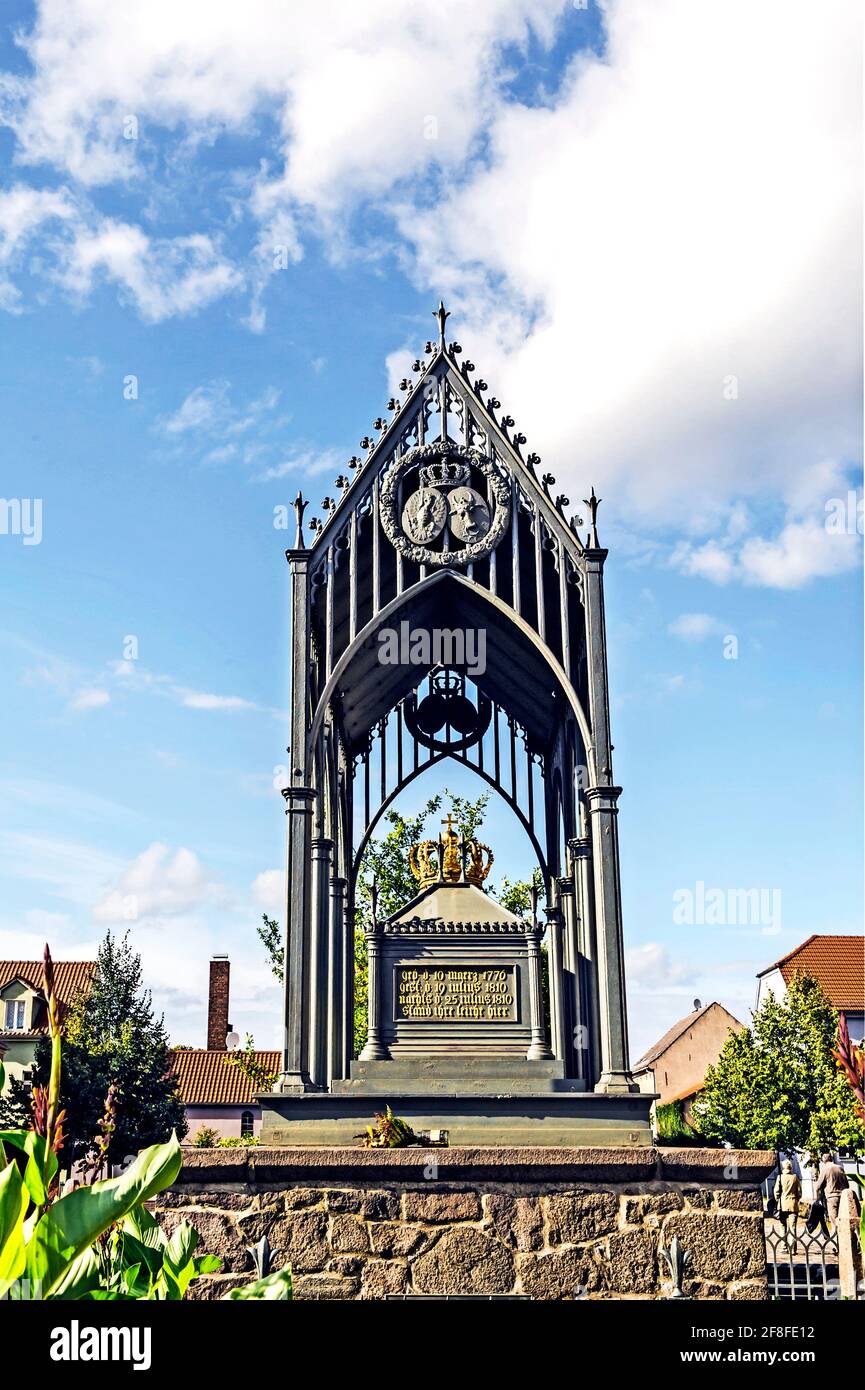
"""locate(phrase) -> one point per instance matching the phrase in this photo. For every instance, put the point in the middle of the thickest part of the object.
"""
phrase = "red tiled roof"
(836, 962)
(71, 977)
(208, 1078)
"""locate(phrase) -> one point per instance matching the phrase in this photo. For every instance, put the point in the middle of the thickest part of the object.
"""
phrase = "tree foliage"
(112, 1037)
(776, 1084)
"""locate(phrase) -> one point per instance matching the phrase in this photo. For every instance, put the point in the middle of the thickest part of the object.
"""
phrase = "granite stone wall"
(440, 1224)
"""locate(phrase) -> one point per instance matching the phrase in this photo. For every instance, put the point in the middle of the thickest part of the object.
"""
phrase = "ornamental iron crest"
(430, 498)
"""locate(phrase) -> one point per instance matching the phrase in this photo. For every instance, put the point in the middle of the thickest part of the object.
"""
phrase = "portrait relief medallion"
(469, 514)
(428, 496)
(424, 515)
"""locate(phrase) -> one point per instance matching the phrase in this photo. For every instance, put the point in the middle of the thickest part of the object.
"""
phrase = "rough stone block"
(651, 1204)
(441, 1206)
(320, 1287)
(218, 1236)
(722, 1247)
(300, 1239)
(464, 1260)
(735, 1199)
(397, 1238)
(372, 1206)
(298, 1197)
(581, 1216)
(632, 1266)
(347, 1234)
(213, 1287)
(755, 1292)
(563, 1274)
(518, 1221)
(382, 1277)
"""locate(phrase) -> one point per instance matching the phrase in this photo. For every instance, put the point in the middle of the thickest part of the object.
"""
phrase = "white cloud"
(693, 627)
(135, 677)
(649, 967)
(162, 277)
(200, 699)
(684, 211)
(268, 891)
(92, 697)
(200, 410)
(156, 884)
(655, 262)
(805, 547)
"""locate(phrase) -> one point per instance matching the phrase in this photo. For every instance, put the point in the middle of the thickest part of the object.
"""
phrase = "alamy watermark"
(434, 646)
(21, 516)
(728, 907)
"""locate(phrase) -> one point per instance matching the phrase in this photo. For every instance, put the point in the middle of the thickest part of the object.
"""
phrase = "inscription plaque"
(462, 994)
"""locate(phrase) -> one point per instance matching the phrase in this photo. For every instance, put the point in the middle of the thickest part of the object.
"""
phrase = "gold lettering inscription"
(461, 995)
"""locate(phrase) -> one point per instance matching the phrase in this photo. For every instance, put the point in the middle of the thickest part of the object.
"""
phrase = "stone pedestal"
(532, 1223)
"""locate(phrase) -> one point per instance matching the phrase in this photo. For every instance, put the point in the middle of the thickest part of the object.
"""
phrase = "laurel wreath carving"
(499, 492)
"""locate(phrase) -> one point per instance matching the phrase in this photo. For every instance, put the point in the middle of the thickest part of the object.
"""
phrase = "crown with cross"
(450, 859)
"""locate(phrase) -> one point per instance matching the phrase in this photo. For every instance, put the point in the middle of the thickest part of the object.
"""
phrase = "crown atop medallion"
(450, 859)
(445, 472)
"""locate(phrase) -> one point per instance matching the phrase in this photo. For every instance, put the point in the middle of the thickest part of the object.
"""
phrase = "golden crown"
(450, 859)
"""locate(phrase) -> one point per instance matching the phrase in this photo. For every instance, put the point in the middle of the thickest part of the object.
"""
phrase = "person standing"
(788, 1191)
(831, 1182)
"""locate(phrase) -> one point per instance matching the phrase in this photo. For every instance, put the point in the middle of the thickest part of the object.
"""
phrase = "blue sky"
(661, 286)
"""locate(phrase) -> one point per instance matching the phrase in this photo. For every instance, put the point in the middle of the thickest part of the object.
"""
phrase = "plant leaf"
(272, 1286)
(75, 1221)
(13, 1204)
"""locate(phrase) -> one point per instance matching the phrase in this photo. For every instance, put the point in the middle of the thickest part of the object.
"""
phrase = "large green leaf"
(75, 1221)
(13, 1204)
(273, 1286)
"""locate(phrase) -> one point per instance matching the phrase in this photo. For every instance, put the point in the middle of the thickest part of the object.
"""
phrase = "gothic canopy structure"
(448, 605)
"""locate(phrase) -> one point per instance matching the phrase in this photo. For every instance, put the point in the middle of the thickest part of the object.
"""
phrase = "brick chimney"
(217, 1003)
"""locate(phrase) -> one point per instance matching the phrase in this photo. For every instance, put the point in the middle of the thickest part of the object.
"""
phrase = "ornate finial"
(593, 503)
(442, 314)
(342, 482)
(533, 899)
(448, 821)
(300, 505)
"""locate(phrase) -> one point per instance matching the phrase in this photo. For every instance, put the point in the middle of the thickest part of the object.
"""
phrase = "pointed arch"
(474, 595)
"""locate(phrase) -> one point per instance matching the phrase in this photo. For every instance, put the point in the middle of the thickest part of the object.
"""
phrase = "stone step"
(453, 1075)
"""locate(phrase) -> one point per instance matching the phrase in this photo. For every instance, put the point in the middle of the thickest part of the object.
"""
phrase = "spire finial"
(442, 314)
(593, 502)
(300, 505)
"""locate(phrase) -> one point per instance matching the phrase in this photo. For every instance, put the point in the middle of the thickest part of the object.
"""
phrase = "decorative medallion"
(428, 496)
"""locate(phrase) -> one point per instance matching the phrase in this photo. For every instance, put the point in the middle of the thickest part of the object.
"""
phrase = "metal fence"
(800, 1263)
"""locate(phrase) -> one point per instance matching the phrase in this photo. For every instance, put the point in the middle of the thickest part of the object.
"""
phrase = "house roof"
(208, 1078)
(672, 1034)
(836, 962)
(71, 977)
(670, 1037)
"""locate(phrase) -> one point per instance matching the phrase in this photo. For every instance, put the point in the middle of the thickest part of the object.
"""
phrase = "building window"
(14, 1013)
(247, 1124)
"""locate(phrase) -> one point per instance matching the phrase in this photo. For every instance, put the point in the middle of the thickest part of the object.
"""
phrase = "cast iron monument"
(444, 533)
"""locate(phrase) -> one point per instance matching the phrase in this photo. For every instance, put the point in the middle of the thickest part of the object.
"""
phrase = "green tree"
(776, 1084)
(111, 1036)
(271, 938)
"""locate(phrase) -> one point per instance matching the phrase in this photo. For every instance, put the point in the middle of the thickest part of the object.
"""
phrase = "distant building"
(838, 965)
(24, 1011)
(677, 1064)
(218, 1095)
